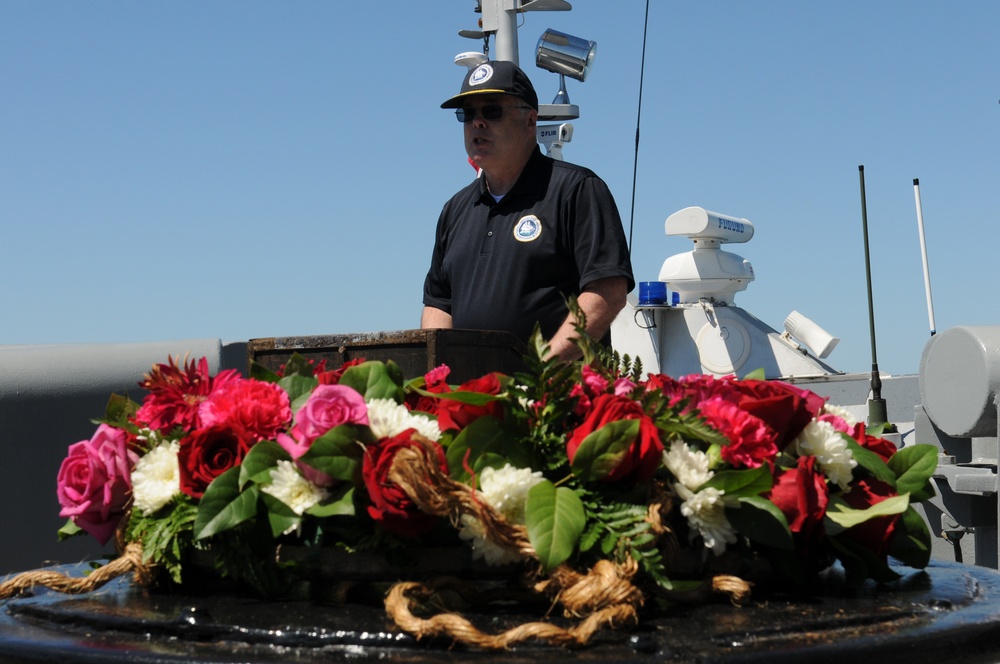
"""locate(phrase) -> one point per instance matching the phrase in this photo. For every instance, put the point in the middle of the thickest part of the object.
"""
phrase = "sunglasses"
(489, 112)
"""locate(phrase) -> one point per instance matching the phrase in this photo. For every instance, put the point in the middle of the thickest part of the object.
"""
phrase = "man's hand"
(600, 301)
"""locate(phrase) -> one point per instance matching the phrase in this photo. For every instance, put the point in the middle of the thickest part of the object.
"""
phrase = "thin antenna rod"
(877, 413)
(923, 254)
(638, 116)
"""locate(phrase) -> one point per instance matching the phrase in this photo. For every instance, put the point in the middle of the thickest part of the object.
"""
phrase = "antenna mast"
(877, 412)
(923, 254)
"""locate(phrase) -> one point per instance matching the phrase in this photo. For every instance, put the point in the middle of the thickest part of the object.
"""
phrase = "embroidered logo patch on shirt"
(528, 229)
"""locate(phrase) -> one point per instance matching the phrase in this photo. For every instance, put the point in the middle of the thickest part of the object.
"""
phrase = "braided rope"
(604, 597)
(129, 561)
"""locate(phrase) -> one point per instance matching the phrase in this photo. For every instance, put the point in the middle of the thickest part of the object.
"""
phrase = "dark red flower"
(643, 456)
(390, 506)
(454, 414)
(802, 496)
(435, 381)
(786, 409)
(874, 534)
(175, 394)
(207, 453)
(879, 446)
(332, 377)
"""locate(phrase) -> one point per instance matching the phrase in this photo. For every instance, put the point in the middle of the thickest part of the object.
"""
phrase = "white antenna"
(923, 253)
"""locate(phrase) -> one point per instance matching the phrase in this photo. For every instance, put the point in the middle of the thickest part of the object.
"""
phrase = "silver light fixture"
(565, 55)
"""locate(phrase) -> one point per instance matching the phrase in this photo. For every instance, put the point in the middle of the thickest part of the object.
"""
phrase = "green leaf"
(602, 451)
(339, 451)
(486, 442)
(259, 372)
(260, 460)
(870, 461)
(340, 503)
(840, 516)
(298, 387)
(762, 521)
(555, 519)
(298, 365)
(913, 466)
(69, 529)
(119, 409)
(861, 563)
(375, 380)
(280, 516)
(741, 483)
(911, 543)
(224, 506)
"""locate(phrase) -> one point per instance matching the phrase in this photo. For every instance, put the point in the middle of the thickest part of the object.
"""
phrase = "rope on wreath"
(605, 596)
(129, 561)
(404, 596)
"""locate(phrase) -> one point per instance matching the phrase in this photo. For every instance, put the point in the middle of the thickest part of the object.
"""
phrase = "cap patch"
(528, 229)
(481, 74)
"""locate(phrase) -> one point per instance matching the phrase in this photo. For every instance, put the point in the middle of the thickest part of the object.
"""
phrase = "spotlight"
(565, 55)
(815, 338)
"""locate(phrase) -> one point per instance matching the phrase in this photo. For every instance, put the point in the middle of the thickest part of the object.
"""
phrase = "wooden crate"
(469, 353)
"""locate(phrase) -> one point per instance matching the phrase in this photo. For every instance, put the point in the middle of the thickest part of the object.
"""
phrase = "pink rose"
(94, 482)
(329, 406)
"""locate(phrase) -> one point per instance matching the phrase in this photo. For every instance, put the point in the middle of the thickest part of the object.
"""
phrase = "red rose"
(434, 382)
(879, 446)
(209, 452)
(390, 506)
(802, 496)
(454, 414)
(645, 454)
(785, 408)
(333, 376)
(874, 534)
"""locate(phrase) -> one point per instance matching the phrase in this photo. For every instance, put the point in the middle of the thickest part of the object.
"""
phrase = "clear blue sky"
(226, 169)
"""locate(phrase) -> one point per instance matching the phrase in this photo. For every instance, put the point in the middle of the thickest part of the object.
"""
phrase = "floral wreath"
(611, 487)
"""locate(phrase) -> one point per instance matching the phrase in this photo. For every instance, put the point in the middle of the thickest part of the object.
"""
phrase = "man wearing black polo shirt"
(530, 231)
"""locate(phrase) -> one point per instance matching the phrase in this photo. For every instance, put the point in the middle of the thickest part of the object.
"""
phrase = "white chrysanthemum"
(705, 512)
(506, 491)
(842, 413)
(290, 487)
(688, 465)
(156, 478)
(821, 440)
(386, 418)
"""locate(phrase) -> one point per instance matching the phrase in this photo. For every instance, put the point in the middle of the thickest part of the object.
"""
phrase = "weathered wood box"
(469, 353)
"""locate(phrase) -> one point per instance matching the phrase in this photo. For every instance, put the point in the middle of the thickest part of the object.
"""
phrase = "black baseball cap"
(495, 77)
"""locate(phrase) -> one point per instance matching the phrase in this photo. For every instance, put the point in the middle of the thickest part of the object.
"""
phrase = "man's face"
(495, 144)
